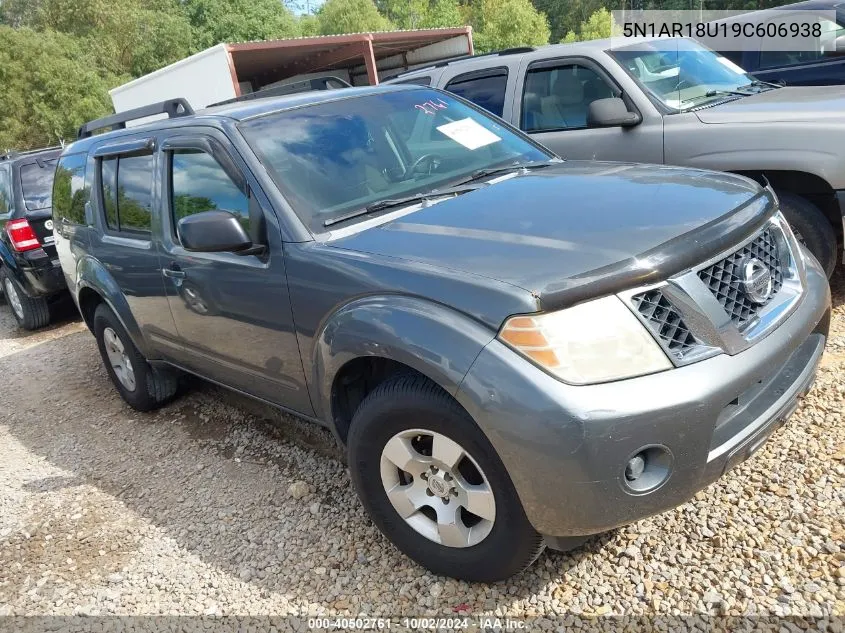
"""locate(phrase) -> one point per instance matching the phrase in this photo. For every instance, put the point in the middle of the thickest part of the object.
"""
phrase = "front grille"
(665, 321)
(724, 278)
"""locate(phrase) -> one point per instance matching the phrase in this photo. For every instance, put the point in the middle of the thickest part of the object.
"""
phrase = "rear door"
(232, 312)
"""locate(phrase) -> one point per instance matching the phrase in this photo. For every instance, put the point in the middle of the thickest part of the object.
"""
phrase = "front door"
(232, 312)
(553, 106)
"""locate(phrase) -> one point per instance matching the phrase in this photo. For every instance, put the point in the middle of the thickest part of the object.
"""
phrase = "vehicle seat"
(565, 106)
(532, 113)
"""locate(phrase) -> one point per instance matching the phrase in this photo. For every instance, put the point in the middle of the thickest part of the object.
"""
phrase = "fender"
(90, 273)
(437, 341)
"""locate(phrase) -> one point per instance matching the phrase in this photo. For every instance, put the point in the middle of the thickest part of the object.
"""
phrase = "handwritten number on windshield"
(432, 106)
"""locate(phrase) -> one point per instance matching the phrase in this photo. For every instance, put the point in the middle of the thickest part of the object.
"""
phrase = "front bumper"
(566, 447)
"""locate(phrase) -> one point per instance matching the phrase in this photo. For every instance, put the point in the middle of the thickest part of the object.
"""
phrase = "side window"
(5, 192)
(127, 192)
(486, 91)
(824, 48)
(559, 98)
(199, 183)
(69, 193)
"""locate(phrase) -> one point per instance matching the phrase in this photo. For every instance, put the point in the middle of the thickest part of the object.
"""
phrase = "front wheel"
(812, 229)
(433, 484)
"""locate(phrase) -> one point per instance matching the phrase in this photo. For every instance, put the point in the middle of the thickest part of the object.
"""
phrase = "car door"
(552, 102)
(232, 311)
(123, 202)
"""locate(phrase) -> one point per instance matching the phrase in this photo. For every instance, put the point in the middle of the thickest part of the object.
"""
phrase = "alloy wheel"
(118, 359)
(13, 297)
(437, 488)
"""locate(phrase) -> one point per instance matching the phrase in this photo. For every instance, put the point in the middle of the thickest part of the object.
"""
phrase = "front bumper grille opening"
(724, 278)
(666, 322)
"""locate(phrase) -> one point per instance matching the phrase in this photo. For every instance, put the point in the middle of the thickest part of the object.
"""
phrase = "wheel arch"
(373, 338)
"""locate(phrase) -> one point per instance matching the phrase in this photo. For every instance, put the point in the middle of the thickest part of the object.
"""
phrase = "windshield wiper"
(389, 203)
(768, 84)
(492, 171)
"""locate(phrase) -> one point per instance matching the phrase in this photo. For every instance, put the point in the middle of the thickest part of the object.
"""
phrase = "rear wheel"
(31, 313)
(141, 385)
(433, 484)
(811, 227)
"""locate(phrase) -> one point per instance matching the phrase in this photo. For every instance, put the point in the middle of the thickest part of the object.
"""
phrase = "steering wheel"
(432, 159)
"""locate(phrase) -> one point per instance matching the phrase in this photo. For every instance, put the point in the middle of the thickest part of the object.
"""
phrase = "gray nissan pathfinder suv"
(674, 102)
(515, 351)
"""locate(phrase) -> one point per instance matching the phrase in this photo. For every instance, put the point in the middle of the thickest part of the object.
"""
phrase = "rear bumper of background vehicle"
(38, 274)
(566, 447)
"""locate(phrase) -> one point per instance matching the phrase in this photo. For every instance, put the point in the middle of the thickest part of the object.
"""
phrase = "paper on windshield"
(468, 133)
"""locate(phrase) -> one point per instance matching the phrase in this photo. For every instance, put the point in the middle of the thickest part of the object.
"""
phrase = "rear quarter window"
(69, 191)
(37, 184)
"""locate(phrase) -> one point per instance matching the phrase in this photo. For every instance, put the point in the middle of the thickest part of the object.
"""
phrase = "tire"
(406, 404)
(31, 313)
(150, 387)
(812, 228)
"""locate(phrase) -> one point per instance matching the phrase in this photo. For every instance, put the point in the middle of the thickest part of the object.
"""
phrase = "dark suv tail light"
(22, 236)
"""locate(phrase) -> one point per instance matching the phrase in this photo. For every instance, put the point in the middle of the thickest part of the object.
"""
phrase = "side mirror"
(213, 232)
(611, 112)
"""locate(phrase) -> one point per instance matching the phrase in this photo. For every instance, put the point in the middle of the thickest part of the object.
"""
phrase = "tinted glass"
(134, 192)
(201, 184)
(487, 92)
(419, 81)
(332, 158)
(824, 46)
(682, 73)
(5, 192)
(69, 194)
(559, 98)
(37, 184)
(108, 176)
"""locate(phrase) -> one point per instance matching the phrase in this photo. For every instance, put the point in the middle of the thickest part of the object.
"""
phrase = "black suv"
(515, 350)
(29, 269)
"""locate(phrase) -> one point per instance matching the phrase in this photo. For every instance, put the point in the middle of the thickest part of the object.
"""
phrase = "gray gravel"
(214, 506)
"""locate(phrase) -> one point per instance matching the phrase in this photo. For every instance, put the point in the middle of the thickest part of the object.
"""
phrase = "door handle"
(173, 273)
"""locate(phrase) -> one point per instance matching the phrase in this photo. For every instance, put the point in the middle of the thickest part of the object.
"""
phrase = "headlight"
(597, 341)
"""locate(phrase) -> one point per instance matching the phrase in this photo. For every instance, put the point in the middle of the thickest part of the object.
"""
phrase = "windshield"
(330, 159)
(37, 184)
(683, 74)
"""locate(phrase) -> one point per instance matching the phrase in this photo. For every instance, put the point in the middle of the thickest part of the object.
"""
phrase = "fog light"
(647, 469)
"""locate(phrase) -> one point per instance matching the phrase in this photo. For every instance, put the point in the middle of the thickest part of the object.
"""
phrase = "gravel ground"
(214, 506)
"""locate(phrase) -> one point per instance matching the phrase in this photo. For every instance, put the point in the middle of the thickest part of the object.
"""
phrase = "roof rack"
(173, 108)
(460, 58)
(13, 153)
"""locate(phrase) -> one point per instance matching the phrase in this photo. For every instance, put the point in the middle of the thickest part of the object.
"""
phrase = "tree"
(421, 14)
(507, 23)
(50, 87)
(216, 21)
(126, 36)
(350, 16)
(595, 28)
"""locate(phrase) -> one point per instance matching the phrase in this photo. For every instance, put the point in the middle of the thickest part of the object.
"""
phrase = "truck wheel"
(141, 385)
(433, 484)
(811, 227)
(31, 313)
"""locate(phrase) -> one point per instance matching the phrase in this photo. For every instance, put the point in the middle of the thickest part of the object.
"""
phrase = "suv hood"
(578, 230)
(798, 104)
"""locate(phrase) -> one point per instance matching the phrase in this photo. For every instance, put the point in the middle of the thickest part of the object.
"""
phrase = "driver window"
(559, 98)
(199, 183)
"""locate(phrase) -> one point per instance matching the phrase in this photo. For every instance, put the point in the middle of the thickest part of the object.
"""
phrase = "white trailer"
(226, 71)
